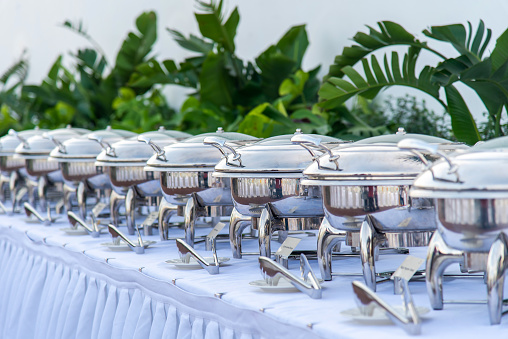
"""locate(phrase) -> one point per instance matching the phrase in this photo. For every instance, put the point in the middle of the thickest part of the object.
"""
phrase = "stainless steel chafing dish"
(186, 179)
(76, 158)
(267, 189)
(12, 172)
(123, 162)
(42, 174)
(470, 192)
(366, 193)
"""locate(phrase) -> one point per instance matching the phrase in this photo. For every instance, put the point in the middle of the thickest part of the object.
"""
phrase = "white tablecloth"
(54, 285)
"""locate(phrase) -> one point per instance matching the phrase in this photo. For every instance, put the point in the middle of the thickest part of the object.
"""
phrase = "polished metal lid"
(376, 161)
(272, 156)
(497, 143)
(10, 141)
(87, 146)
(195, 153)
(132, 152)
(473, 175)
(477, 174)
(40, 145)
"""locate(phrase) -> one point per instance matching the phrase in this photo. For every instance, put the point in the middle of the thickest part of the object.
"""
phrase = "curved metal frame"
(166, 212)
(237, 223)
(439, 257)
(328, 238)
(496, 267)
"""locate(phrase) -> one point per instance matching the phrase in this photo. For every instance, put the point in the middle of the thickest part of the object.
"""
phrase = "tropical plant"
(487, 76)
(84, 94)
(11, 107)
(268, 96)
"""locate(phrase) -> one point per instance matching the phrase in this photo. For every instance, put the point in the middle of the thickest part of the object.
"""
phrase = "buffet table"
(55, 285)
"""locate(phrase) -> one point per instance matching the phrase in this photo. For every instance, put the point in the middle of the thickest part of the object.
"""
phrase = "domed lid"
(377, 161)
(131, 152)
(497, 143)
(194, 154)
(400, 135)
(86, 146)
(473, 175)
(42, 144)
(9, 142)
(271, 156)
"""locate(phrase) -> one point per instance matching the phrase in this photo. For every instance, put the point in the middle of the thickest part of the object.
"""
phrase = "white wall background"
(35, 25)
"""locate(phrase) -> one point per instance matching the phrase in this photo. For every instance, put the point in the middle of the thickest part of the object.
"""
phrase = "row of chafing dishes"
(390, 191)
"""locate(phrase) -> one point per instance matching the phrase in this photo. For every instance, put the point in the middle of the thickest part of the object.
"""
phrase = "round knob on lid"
(220, 130)
(401, 130)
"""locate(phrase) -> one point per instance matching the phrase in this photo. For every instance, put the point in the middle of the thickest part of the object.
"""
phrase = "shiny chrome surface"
(166, 212)
(9, 163)
(192, 155)
(497, 262)
(390, 206)
(116, 234)
(75, 220)
(38, 167)
(367, 299)
(237, 223)
(287, 196)
(131, 152)
(186, 252)
(124, 177)
(273, 271)
(471, 225)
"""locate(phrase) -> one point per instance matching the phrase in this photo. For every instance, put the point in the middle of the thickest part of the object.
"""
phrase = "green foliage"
(487, 76)
(271, 95)
(12, 107)
(85, 94)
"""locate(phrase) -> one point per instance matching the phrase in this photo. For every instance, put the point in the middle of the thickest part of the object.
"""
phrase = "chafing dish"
(12, 172)
(366, 194)
(266, 187)
(470, 192)
(43, 175)
(123, 162)
(76, 158)
(187, 182)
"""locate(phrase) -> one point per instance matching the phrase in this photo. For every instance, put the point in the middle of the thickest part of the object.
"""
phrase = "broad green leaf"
(215, 83)
(463, 124)
(500, 53)
(193, 43)
(294, 44)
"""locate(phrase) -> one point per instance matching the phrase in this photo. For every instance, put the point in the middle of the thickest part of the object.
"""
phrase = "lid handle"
(219, 143)
(104, 144)
(308, 141)
(416, 146)
(20, 138)
(61, 147)
(159, 152)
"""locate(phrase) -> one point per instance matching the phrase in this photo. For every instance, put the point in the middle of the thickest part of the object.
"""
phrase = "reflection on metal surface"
(186, 252)
(187, 179)
(273, 271)
(367, 299)
(9, 163)
(368, 198)
(472, 224)
(81, 170)
(38, 167)
(274, 188)
(496, 267)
